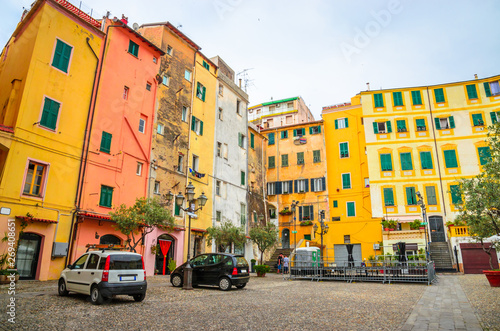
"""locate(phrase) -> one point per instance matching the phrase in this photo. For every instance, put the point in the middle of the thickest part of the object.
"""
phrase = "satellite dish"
(135, 26)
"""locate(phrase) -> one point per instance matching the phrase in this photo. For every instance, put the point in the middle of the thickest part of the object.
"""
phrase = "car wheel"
(139, 297)
(62, 288)
(241, 285)
(225, 284)
(176, 280)
(95, 296)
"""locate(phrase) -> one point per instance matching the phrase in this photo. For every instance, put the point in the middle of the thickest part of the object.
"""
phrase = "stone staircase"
(440, 254)
(274, 258)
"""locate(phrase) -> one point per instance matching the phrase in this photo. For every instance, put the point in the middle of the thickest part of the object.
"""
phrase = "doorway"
(437, 229)
(285, 238)
(160, 258)
(28, 254)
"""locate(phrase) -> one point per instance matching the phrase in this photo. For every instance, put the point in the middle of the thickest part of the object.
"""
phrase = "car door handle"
(91, 273)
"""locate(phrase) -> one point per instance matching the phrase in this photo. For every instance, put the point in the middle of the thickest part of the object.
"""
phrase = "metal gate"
(285, 238)
(437, 229)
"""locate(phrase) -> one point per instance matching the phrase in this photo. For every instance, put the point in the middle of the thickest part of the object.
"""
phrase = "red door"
(475, 260)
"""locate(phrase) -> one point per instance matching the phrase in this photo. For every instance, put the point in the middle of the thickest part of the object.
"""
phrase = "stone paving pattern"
(269, 303)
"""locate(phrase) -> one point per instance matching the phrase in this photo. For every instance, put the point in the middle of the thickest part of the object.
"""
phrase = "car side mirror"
(70, 266)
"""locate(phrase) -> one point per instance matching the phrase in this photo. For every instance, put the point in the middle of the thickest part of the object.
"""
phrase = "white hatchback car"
(105, 273)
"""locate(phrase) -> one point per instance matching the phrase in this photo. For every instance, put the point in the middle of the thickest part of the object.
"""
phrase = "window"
(300, 158)
(243, 214)
(379, 100)
(169, 50)
(284, 134)
(492, 88)
(299, 132)
(187, 75)
(160, 128)
(495, 116)
(148, 86)
(219, 149)
(218, 216)
(484, 155)
(398, 98)
(382, 127)
(271, 188)
(243, 178)
(200, 91)
(62, 55)
(471, 91)
(439, 95)
(420, 124)
(351, 209)
(166, 80)
(221, 89)
(133, 48)
(406, 163)
(270, 137)
(411, 196)
(386, 162)
(318, 184)
(301, 186)
(197, 125)
(426, 160)
(220, 114)
(477, 119)
(341, 123)
(346, 181)
(35, 176)
(106, 196)
(217, 187)
(450, 158)
(184, 113)
(50, 114)
(344, 150)
(252, 140)
(272, 109)
(142, 125)
(388, 197)
(367, 182)
(196, 163)
(241, 140)
(180, 163)
(157, 187)
(416, 98)
(238, 104)
(347, 239)
(125, 92)
(316, 156)
(284, 160)
(287, 187)
(289, 119)
(401, 125)
(225, 151)
(430, 193)
(138, 170)
(335, 204)
(177, 210)
(456, 197)
(106, 142)
(315, 129)
(206, 65)
(271, 162)
(306, 213)
(445, 123)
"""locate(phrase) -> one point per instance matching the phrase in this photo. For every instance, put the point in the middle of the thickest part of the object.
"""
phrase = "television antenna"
(244, 76)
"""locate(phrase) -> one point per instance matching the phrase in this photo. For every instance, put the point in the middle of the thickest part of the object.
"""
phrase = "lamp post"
(293, 209)
(323, 229)
(421, 203)
(190, 210)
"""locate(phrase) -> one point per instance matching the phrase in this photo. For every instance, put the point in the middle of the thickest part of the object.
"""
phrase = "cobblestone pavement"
(268, 303)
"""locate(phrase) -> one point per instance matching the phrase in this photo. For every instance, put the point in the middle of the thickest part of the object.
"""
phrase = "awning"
(198, 230)
(34, 219)
(95, 216)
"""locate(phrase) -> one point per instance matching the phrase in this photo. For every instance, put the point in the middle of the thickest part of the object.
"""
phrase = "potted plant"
(389, 225)
(304, 223)
(415, 225)
(285, 211)
(154, 249)
(262, 269)
(171, 265)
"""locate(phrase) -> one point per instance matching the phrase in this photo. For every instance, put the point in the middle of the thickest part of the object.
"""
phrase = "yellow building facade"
(349, 184)
(46, 80)
(422, 140)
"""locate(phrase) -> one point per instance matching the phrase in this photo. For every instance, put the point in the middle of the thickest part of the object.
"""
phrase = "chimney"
(475, 76)
(368, 86)
(240, 82)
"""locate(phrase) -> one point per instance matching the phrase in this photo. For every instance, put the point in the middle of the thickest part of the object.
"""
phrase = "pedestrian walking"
(280, 262)
(286, 261)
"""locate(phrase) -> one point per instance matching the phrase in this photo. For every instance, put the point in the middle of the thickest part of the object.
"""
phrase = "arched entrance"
(109, 239)
(27, 255)
(285, 238)
(437, 228)
(159, 260)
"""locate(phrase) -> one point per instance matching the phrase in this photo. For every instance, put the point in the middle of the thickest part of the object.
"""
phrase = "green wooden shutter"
(351, 211)
(316, 156)
(252, 139)
(335, 204)
(388, 197)
(295, 132)
(50, 114)
(493, 116)
(56, 61)
(439, 95)
(386, 162)
(203, 91)
(346, 122)
(270, 136)
(487, 89)
(430, 193)
(177, 210)
(420, 124)
(471, 91)
(62, 54)
(379, 100)
(193, 123)
(389, 127)
(201, 128)
(375, 127)
(310, 130)
(484, 155)
(346, 181)
(406, 163)
(65, 57)
(271, 162)
(336, 124)
(452, 122)
(401, 125)
(319, 128)
(242, 178)
(283, 134)
(284, 160)
(398, 98)
(456, 197)
(106, 198)
(450, 158)
(411, 198)
(105, 142)
(416, 97)
(477, 119)
(426, 160)
(438, 123)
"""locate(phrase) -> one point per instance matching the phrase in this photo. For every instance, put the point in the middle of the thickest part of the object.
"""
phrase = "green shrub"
(262, 268)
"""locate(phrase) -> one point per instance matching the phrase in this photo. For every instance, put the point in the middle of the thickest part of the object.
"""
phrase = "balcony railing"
(458, 231)
(404, 234)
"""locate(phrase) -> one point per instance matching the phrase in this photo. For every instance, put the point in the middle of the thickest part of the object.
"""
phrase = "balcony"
(458, 231)
(403, 234)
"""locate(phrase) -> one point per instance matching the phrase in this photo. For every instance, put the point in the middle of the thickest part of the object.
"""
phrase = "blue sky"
(324, 51)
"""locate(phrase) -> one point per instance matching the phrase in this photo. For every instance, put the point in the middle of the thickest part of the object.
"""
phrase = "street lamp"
(190, 209)
(293, 209)
(421, 203)
(324, 229)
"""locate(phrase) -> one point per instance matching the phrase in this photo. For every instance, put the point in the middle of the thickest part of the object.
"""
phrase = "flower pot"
(493, 277)
(4, 279)
(422, 228)
(261, 274)
(386, 229)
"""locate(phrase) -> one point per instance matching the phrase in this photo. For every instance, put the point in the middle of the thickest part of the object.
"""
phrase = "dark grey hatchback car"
(219, 269)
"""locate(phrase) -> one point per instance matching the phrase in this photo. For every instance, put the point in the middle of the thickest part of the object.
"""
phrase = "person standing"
(280, 262)
(286, 261)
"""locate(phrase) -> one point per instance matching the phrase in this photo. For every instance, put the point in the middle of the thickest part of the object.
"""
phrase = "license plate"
(122, 278)
(243, 271)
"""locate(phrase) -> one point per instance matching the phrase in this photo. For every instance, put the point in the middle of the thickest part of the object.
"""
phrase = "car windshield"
(241, 262)
(125, 262)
